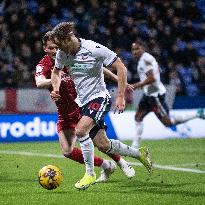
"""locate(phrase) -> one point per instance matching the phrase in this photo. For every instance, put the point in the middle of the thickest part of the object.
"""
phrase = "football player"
(154, 91)
(69, 113)
(85, 59)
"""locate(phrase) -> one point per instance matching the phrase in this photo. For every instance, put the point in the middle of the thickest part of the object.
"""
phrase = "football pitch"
(178, 178)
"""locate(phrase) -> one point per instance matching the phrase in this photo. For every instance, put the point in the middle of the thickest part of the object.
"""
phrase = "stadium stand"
(172, 30)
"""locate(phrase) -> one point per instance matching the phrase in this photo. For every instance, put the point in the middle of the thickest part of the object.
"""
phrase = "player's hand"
(136, 86)
(119, 104)
(62, 73)
(130, 87)
(55, 95)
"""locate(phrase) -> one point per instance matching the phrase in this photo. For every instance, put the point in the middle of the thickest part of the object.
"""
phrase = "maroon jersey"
(68, 110)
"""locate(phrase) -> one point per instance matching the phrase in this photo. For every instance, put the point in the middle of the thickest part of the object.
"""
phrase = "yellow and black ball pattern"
(50, 177)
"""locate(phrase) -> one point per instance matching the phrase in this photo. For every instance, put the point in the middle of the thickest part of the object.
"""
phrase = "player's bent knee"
(80, 132)
(103, 148)
(67, 153)
(138, 118)
(166, 121)
(167, 124)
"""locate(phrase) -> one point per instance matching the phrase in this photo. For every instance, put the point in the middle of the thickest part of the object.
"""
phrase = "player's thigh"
(162, 111)
(143, 108)
(84, 126)
(165, 120)
(67, 139)
(140, 114)
(101, 141)
(93, 114)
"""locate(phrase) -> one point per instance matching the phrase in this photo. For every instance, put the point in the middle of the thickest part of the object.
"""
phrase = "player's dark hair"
(62, 30)
(46, 37)
(140, 43)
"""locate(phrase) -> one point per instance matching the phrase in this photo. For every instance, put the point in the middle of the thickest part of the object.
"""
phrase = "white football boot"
(126, 168)
(105, 173)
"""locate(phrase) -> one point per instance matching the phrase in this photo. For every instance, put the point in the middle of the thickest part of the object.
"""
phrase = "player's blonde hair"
(63, 30)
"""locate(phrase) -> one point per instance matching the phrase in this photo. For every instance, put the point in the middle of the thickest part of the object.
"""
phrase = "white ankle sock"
(121, 162)
(117, 147)
(137, 137)
(87, 148)
(177, 119)
(105, 164)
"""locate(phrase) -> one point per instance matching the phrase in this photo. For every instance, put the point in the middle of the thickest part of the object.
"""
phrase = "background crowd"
(173, 31)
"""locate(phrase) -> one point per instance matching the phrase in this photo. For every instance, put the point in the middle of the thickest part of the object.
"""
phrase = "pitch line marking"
(165, 167)
(188, 164)
(32, 154)
(172, 168)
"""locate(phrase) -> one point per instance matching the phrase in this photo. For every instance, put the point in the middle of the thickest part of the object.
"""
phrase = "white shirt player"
(86, 69)
(148, 62)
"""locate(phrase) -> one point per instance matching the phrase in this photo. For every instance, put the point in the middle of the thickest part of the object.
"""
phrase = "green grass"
(18, 177)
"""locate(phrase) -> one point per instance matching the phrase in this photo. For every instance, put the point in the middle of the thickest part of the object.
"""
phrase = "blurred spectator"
(5, 74)
(176, 54)
(20, 75)
(187, 79)
(5, 51)
(25, 53)
(200, 66)
(132, 68)
(190, 55)
(175, 80)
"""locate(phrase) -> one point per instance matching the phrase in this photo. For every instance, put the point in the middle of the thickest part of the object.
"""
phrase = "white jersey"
(86, 69)
(148, 62)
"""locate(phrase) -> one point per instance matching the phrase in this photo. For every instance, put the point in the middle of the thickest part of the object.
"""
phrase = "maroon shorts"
(68, 122)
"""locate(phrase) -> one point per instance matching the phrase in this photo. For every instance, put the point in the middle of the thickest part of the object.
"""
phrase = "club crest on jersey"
(84, 56)
(39, 68)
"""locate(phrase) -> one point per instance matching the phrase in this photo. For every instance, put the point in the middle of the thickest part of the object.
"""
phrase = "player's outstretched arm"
(55, 81)
(122, 82)
(42, 82)
(110, 75)
(149, 80)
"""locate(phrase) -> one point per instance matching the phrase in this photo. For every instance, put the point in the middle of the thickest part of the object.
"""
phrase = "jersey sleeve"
(106, 55)
(148, 63)
(60, 60)
(42, 70)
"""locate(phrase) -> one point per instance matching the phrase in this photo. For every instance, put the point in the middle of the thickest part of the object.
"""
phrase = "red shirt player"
(68, 110)
(69, 113)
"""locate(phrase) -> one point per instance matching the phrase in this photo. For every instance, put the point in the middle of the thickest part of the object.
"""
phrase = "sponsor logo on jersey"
(81, 66)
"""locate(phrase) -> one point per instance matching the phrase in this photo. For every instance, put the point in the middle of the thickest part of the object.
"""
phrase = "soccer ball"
(50, 177)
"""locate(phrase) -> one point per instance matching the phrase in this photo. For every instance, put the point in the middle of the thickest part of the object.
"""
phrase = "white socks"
(87, 148)
(176, 119)
(105, 164)
(137, 137)
(121, 162)
(117, 147)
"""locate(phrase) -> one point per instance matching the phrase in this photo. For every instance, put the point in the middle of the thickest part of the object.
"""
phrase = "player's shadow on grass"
(159, 188)
(173, 192)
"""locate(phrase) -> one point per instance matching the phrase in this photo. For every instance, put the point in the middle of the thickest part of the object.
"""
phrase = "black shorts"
(154, 104)
(97, 109)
